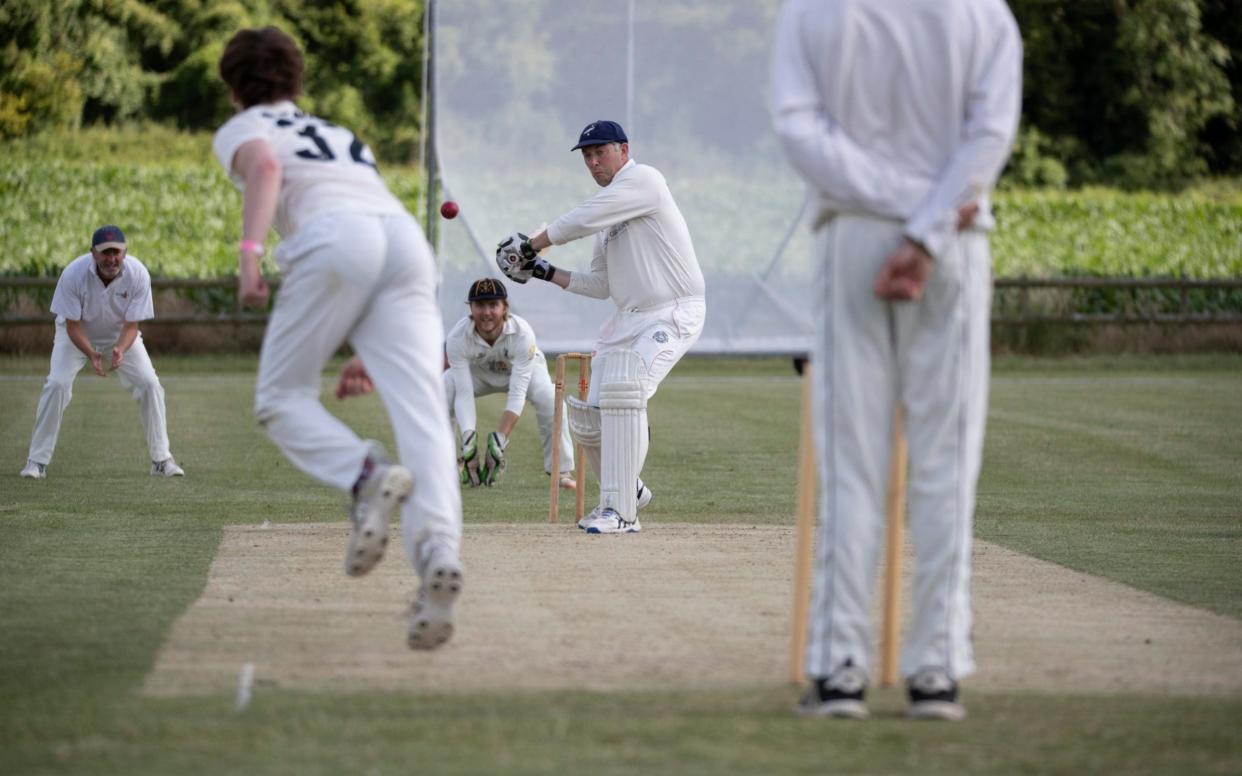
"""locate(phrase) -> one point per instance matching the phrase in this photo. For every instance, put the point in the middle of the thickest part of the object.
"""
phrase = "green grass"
(1127, 468)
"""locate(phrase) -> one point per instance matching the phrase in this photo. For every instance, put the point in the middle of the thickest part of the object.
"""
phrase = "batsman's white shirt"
(81, 296)
(643, 255)
(897, 112)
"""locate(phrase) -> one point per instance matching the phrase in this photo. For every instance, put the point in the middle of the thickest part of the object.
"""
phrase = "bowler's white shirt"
(508, 362)
(81, 296)
(643, 255)
(324, 167)
(904, 109)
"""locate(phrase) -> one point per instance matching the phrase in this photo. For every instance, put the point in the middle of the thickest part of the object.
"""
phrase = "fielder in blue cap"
(645, 263)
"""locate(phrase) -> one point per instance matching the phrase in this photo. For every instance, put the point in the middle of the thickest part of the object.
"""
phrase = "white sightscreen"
(514, 84)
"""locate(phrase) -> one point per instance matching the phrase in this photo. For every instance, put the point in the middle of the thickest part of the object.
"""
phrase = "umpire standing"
(900, 115)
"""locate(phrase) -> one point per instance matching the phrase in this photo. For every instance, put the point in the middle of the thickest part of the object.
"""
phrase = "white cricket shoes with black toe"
(840, 695)
(933, 695)
(377, 499)
(431, 614)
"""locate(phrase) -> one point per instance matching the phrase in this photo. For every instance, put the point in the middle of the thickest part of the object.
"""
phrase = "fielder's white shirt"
(324, 167)
(81, 296)
(643, 255)
(875, 123)
(509, 362)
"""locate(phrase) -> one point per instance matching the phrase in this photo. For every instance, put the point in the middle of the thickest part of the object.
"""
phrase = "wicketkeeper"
(493, 351)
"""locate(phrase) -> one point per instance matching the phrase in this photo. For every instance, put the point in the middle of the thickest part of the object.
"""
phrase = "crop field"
(177, 206)
(1117, 480)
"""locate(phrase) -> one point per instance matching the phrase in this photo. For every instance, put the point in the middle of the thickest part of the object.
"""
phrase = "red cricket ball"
(449, 209)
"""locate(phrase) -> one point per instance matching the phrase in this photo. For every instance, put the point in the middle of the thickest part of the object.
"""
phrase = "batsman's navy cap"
(599, 133)
(485, 289)
(108, 237)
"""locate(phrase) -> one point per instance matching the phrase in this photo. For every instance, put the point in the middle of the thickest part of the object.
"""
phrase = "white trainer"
(567, 481)
(34, 470)
(166, 468)
(644, 498)
(431, 614)
(375, 503)
(609, 521)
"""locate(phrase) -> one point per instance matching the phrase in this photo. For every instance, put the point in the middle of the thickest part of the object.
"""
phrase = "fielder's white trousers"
(370, 281)
(932, 356)
(539, 393)
(137, 376)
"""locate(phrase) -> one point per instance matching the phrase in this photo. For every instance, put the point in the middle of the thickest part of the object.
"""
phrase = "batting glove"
(494, 459)
(519, 261)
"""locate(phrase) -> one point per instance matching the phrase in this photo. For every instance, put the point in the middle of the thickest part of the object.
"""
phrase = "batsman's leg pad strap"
(623, 422)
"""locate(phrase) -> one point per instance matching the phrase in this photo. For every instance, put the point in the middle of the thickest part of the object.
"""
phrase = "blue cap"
(599, 133)
(108, 237)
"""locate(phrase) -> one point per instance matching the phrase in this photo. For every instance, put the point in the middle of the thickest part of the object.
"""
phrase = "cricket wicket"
(558, 418)
(890, 625)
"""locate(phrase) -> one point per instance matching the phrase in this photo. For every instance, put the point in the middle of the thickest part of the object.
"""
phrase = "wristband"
(250, 246)
(543, 270)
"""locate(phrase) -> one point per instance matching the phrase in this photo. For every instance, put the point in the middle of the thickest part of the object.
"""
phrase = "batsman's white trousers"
(370, 281)
(137, 376)
(932, 356)
(660, 335)
(539, 393)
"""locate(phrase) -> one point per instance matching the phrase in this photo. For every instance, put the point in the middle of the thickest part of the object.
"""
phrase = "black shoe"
(933, 695)
(838, 695)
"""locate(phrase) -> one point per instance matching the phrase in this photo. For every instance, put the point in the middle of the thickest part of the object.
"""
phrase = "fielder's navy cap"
(108, 237)
(485, 289)
(599, 133)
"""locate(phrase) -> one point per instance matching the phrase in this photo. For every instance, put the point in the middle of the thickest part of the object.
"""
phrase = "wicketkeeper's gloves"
(470, 460)
(494, 459)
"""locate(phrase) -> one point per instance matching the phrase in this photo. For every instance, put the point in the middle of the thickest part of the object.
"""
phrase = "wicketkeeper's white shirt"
(324, 167)
(509, 362)
(643, 254)
(81, 296)
(865, 123)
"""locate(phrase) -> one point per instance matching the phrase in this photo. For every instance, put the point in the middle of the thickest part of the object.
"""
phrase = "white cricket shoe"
(608, 521)
(567, 481)
(376, 501)
(34, 470)
(166, 468)
(431, 614)
(644, 498)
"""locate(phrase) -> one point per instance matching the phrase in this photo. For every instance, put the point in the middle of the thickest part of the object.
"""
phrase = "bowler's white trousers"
(137, 376)
(932, 356)
(371, 281)
(539, 393)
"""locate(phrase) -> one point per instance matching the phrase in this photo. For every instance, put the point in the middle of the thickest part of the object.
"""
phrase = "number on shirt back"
(321, 136)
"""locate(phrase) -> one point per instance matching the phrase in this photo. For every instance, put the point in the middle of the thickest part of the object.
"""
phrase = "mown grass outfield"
(1130, 469)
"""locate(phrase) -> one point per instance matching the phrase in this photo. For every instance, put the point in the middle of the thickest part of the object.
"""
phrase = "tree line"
(1135, 93)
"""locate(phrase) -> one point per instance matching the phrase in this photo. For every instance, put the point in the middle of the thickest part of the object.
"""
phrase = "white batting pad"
(584, 427)
(623, 422)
